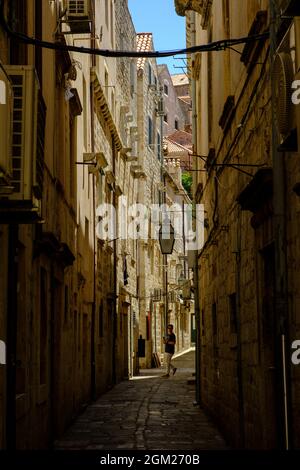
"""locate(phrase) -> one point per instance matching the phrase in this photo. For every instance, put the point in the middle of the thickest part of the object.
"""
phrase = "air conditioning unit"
(186, 291)
(129, 118)
(78, 15)
(125, 150)
(97, 159)
(172, 296)
(131, 158)
(160, 107)
(156, 295)
(28, 136)
(6, 96)
(284, 75)
(152, 87)
(134, 133)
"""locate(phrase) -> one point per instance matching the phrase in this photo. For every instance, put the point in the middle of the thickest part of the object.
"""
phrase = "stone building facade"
(248, 267)
(78, 131)
(66, 312)
(41, 309)
(174, 115)
(180, 295)
(128, 180)
(182, 87)
(181, 84)
(156, 186)
(149, 161)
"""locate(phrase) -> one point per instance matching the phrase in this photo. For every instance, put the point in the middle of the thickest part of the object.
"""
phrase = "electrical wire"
(223, 186)
(240, 53)
(229, 164)
(165, 294)
(5, 73)
(235, 50)
(241, 171)
(213, 46)
(228, 154)
(243, 120)
(227, 157)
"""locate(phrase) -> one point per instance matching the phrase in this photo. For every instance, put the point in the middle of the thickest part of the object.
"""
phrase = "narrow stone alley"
(147, 412)
(149, 209)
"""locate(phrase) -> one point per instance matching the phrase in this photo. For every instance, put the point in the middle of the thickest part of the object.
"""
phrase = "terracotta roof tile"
(144, 44)
(174, 148)
(182, 138)
(174, 151)
(180, 79)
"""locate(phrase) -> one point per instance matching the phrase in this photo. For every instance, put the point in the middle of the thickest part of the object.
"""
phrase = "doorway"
(193, 329)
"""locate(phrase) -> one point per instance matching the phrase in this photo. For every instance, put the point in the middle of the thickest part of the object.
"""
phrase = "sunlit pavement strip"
(146, 412)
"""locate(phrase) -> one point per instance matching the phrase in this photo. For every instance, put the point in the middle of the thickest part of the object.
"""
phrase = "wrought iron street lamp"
(166, 240)
(166, 237)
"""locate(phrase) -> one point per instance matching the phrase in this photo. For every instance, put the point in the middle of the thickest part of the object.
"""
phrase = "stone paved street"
(147, 412)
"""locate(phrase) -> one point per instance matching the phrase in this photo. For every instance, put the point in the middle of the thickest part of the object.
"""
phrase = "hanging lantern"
(166, 238)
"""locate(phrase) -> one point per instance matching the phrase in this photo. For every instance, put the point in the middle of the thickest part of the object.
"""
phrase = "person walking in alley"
(169, 341)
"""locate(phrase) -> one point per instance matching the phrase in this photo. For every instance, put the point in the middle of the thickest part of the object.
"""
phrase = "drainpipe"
(282, 365)
(166, 293)
(93, 319)
(241, 437)
(11, 337)
(130, 338)
(114, 345)
(196, 272)
(184, 240)
(155, 326)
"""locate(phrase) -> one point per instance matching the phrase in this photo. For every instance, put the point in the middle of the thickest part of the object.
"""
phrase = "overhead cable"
(213, 46)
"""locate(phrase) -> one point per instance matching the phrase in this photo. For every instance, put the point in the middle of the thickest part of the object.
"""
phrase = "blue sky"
(159, 17)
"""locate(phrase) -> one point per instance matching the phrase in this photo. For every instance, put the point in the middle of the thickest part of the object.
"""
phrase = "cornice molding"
(103, 107)
(182, 6)
(203, 7)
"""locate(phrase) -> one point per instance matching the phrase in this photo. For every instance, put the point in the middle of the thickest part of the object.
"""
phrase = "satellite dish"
(284, 75)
